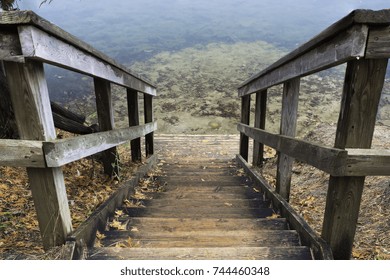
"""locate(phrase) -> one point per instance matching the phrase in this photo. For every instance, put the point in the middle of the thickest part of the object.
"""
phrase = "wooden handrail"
(27, 42)
(362, 40)
(35, 38)
(345, 40)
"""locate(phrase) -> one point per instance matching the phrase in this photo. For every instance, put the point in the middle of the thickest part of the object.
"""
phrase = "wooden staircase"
(199, 206)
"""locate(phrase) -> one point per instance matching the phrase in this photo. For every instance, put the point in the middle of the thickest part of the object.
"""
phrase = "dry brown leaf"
(100, 235)
(274, 216)
(117, 225)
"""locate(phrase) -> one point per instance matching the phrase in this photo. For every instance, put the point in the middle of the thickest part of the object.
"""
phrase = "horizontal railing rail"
(362, 41)
(27, 43)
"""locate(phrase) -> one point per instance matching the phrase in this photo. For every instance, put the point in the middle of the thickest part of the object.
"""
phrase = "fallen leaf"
(273, 216)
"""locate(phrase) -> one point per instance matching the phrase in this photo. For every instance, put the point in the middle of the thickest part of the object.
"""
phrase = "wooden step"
(207, 212)
(202, 179)
(182, 194)
(201, 224)
(241, 191)
(215, 238)
(196, 203)
(215, 253)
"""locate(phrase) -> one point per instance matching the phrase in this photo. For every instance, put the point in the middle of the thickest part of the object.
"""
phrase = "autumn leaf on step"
(256, 190)
(228, 204)
(274, 216)
(134, 229)
(99, 235)
(98, 244)
(117, 225)
(118, 213)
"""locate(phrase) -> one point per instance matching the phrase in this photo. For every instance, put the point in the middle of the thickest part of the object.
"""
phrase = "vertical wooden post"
(288, 126)
(361, 95)
(31, 104)
(106, 122)
(148, 111)
(260, 116)
(245, 118)
(132, 106)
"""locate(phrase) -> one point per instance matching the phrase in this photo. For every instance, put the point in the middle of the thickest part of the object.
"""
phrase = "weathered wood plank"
(260, 118)
(244, 238)
(63, 151)
(133, 113)
(245, 119)
(37, 44)
(183, 224)
(209, 212)
(222, 203)
(105, 114)
(367, 162)
(148, 112)
(86, 232)
(309, 237)
(378, 44)
(30, 18)
(10, 48)
(288, 126)
(361, 94)
(31, 104)
(236, 253)
(330, 160)
(348, 45)
(21, 153)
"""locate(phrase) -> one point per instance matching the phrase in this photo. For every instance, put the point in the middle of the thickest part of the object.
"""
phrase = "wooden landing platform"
(198, 206)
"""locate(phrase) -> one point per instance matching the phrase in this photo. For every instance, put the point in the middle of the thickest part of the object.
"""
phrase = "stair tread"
(214, 253)
(217, 203)
(206, 238)
(203, 224)
(209, 212)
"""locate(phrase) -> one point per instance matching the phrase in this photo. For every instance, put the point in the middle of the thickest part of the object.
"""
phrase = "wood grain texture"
(21, 153)
(260, 118)
(240, 253)
(309, 237)
(361, 94)
(10, 48)
(367, 162)
(356, 17)
(86, 232)
(288, 126)
(149, 117)
(348, 45)
(63, 151)
(105, 113)
(330, 160)
(13, 18)
(37, 44)
(245, 119)
(378, 45)
(31, 104)
(133, 112)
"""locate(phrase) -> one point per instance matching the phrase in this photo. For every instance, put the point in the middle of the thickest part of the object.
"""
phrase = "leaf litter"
(86, 185)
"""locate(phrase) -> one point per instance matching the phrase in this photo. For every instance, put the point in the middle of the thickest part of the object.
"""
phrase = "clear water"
(137, 29)
(154, 36)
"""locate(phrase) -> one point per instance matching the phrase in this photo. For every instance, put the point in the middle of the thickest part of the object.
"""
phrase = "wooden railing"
(27, 42)
(362, 40)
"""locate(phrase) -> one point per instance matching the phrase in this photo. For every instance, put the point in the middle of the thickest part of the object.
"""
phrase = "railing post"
(361, 95)
(31, 104)
(133, 111)
(105, 115)
(288, 126)
(148, 111)
(260, 117)
(245, 118)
